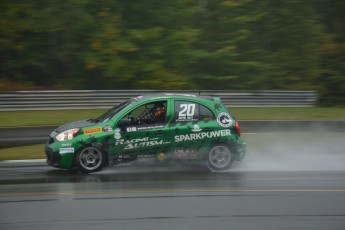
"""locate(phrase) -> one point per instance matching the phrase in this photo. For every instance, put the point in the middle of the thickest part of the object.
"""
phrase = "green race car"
(159, 128)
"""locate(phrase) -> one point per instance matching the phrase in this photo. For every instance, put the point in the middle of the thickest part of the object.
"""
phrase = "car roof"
(172, 95)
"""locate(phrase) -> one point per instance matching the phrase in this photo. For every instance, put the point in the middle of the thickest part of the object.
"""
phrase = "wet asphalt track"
(35, 196)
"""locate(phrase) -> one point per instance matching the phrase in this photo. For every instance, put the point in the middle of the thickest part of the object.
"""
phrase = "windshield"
(113, 111)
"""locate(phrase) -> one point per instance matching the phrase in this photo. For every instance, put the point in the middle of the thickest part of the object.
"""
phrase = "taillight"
(238, 128)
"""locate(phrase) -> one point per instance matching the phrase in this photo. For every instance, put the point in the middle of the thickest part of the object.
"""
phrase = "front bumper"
(53, 158)
(58, 159)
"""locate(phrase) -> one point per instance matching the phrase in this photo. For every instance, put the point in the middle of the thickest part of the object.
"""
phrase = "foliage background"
(174, 44)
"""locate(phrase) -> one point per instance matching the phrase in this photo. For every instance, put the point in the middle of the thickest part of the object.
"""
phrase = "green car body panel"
(162, 128)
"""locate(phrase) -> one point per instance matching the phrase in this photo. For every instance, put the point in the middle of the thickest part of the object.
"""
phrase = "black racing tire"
(219, 158)
(90, 159)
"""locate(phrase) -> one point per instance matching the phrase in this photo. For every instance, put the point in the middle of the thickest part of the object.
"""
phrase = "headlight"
(67, 135)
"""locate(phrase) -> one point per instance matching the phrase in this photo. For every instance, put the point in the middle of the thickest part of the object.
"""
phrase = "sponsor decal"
(150, 127)
(196, 128)
(140, 142)
(117, 134)
(92, 131)
(131, 129)
(137, 140)
(146, 157)
(224, 120)
(143, 128)
(186, 113)
(123, 158)
(161, 156)
(202, 135)
(184, 119)
(185, 154)
(66, 145)
(108, 129)
(66, 150)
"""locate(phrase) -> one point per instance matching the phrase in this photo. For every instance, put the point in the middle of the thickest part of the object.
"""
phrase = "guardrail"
(100, 99)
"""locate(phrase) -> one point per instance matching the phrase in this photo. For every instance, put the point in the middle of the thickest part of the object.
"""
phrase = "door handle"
(207, 129)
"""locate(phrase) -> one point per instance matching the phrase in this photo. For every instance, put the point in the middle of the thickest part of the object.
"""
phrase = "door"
(142, 133)
(194, 129)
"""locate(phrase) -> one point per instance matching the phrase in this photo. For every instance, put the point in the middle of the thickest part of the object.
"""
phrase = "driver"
(158, 113)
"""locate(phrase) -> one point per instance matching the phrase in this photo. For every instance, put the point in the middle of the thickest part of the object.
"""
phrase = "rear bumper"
(240, 149)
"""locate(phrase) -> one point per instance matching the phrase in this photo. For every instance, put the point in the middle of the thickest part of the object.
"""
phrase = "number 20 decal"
(188, 110)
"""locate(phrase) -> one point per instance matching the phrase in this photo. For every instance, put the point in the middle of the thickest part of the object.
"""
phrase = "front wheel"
(219, 158)
(90, 159)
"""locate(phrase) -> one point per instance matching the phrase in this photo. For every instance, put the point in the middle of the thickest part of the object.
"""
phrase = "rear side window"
(191, 111)
(205, 113)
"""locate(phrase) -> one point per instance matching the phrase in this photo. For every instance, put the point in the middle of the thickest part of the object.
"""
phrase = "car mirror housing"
(124, 122)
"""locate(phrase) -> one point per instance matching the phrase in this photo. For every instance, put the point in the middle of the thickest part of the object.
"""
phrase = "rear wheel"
(219, 158)
(90, 159)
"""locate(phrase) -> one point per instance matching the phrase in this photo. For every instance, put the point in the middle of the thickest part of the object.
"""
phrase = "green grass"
(22, 153)
(41, 118)
(58, 117)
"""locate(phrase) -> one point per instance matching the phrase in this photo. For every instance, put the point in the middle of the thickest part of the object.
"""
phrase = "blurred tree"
(174, 44)
(62, 30)
(15, 57)
(223, 51)
(293, 40)
(259, 45)
(45, 41)
(332, 77)
(133, 45)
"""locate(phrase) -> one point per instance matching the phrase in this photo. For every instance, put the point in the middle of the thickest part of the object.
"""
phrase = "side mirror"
(124, 122)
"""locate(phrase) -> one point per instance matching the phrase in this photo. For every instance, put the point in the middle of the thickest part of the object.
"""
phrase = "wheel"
(90, 159)
(219, 158)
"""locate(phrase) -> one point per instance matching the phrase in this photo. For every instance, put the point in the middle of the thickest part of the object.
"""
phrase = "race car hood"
(75, 124)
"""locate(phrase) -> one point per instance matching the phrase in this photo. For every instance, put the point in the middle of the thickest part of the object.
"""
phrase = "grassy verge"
(22, 153)
(40, 118)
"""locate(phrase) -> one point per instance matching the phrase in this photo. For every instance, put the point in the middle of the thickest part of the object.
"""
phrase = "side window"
(191, 111)
(206, 114)
(150, 113)
(186, 111)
